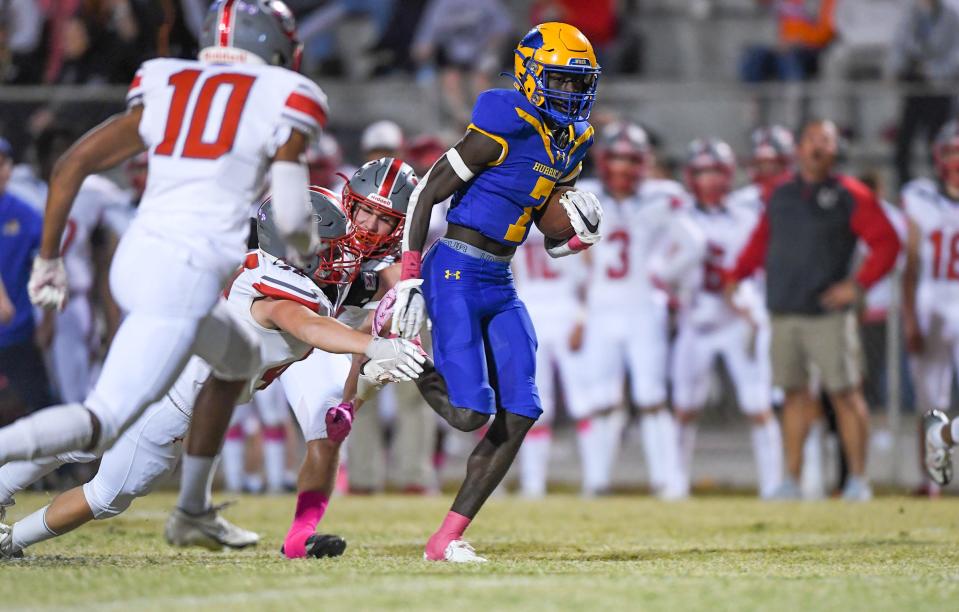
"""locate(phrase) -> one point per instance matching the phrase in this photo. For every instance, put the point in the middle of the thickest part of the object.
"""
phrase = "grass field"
(718, 553)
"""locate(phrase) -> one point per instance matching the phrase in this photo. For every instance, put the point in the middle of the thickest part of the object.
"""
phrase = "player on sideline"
(212, 128)
(711, 327)
(282, 305)
(772, 156)
(521, 143)
(930, 296)
(627, 326)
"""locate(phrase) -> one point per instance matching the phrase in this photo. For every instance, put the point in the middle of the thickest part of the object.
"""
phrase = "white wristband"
(459, 166)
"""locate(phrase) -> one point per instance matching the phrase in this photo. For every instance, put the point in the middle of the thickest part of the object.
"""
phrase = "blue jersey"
(499, 202)
(20, 229)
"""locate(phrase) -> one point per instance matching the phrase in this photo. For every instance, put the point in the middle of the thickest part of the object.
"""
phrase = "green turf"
(561, 553)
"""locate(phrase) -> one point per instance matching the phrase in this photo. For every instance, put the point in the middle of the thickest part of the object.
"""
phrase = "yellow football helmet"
(550, 58)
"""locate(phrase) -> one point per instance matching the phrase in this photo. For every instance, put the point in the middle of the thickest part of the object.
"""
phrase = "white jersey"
(265, 276)
(632, 230)
(726, 230)
(879, 297)
(99, 202)
(748, 197)
(937, 218)
(211, 130)
(549, 287)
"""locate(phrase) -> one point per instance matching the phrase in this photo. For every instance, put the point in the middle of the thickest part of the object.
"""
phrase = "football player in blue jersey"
(522, 143)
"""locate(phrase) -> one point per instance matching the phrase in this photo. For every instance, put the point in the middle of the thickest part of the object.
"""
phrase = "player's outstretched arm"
(397, 357)
(103, 147)
(451, 172)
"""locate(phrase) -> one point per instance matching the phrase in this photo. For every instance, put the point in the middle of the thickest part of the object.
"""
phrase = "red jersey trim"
(307, 106)
(279, 294)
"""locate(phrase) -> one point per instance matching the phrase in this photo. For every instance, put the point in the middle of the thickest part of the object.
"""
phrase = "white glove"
(48, 283)
(585, 214)
(397, 358)
(409, 311)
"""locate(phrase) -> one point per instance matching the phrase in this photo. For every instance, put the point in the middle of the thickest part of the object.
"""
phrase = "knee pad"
(104, 501)
(241, 359)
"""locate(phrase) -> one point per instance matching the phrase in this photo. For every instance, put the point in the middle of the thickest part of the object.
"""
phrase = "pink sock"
(310, 506)
(452, 529)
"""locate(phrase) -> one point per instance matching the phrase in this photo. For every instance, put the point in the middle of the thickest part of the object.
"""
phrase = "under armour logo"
(450, 275)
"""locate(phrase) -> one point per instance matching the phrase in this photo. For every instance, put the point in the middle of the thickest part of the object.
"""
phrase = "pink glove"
(339, 421)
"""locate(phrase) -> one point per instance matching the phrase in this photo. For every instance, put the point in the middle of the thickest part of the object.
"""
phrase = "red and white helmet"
(423, 151)
(627, 142)
(943, 148)
(706, 154)
(250, 30)
(773, 153)
(384, 185)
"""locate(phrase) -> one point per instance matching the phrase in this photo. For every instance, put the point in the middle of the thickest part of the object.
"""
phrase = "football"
(554, 222)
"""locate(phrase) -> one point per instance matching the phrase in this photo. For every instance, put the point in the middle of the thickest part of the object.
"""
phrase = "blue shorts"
(484, 344)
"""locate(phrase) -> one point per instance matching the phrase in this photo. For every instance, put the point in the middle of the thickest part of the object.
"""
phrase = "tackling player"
(627, 325)
(282, 305)
(521, 143)
(212, 128)
(710, 326)
(930, 295)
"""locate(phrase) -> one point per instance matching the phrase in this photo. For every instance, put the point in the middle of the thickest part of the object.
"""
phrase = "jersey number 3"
(195, 147)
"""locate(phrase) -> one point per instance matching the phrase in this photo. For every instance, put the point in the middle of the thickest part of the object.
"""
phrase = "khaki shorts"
(827, 344)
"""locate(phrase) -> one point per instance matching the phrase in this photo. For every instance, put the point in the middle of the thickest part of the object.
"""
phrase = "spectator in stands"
(21, 29)
(21, 362)
(925, 54)
(805, 30)
(865, 30)
(806, 240)
(463, 39)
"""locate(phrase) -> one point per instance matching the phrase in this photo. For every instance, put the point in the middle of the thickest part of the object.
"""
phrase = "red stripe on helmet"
(307, 106)
(225, 24)
(387, 187)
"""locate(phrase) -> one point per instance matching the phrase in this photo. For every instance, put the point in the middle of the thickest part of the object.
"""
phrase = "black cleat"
(321, 545)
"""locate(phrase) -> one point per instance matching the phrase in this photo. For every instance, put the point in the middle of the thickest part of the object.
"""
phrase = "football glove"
(48, 283)
(395, 358)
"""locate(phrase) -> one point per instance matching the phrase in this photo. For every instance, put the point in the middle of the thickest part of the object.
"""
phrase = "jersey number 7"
(195, 147)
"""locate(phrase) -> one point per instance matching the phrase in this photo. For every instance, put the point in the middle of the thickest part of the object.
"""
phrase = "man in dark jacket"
(806, 241)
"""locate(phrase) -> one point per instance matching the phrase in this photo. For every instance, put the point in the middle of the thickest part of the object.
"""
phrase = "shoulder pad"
(495, 112)
(306, 104)
(282, 282)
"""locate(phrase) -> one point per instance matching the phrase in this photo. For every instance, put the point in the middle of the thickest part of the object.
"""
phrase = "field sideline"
(718, 553)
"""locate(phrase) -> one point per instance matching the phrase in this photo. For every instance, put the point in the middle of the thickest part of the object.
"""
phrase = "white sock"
(31, 529)
(668, 447)
(687, 446)
(274, 464)
(612, 426)
(47, 432)
(196, 484)
(534, 462)
(232, 464)
(18, 475)
(812, 482)
(589, 438)
(649, 427)
(768, 451)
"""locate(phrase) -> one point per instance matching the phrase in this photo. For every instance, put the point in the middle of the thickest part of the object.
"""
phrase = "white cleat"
(460, 551)
(208, 530)
(6, 543)
(936, 457)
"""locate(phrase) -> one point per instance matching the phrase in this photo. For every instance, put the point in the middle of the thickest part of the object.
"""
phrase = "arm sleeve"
(872, 226)
(753, 255)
